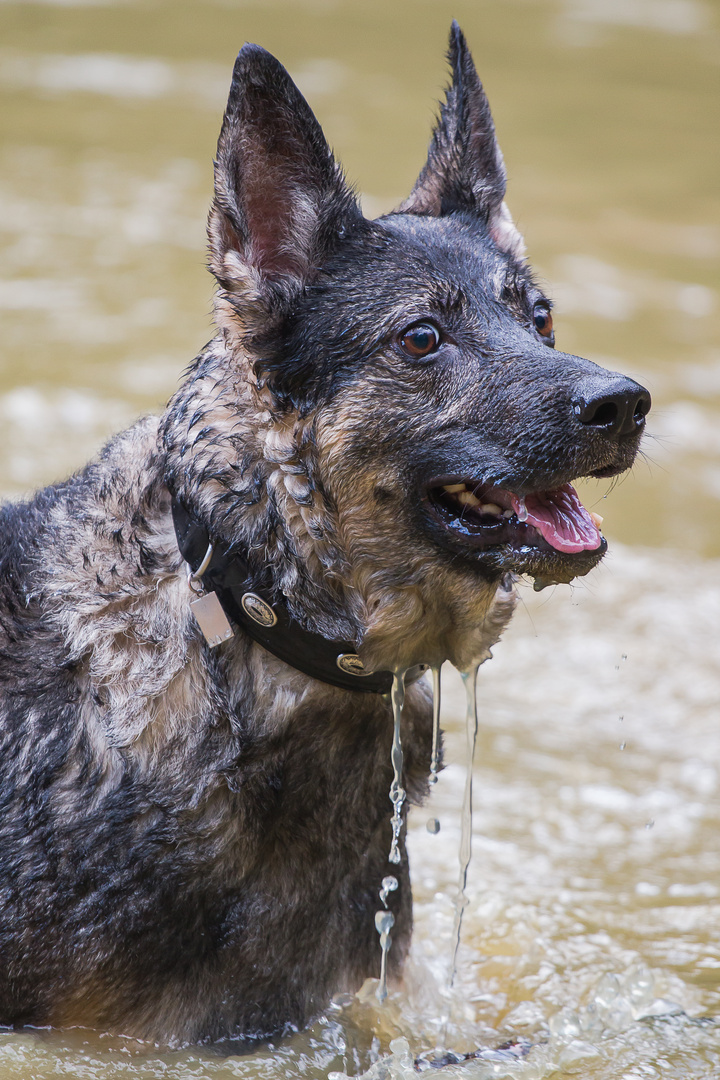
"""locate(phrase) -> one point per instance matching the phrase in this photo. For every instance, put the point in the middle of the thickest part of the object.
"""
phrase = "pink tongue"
(560, 518)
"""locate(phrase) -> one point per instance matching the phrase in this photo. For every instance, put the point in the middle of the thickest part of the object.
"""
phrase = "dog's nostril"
(619, 412)
(604, 416)
(642, 408)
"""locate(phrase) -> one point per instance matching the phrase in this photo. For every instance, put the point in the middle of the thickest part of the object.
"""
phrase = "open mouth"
(548, 526)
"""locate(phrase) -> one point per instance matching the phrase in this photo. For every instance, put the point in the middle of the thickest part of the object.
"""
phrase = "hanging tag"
(211, 619)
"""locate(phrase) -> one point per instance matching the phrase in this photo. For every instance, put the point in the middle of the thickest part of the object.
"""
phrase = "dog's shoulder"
(89, 586)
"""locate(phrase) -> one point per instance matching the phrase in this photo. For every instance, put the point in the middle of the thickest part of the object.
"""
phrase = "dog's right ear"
(281, 202)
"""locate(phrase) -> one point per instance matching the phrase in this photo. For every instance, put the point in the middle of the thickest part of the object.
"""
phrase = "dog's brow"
(449, 299)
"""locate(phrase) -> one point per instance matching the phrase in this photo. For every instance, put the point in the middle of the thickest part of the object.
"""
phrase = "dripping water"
(397, 791)
(384, 922)
(433, 825)
(471, 725)
(435, 757)
(384, 919)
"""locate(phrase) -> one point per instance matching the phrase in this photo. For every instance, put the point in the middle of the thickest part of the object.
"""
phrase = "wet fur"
(193, 840)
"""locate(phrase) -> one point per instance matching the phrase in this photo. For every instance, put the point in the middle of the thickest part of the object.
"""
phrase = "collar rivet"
(256, 608)
(351, 664)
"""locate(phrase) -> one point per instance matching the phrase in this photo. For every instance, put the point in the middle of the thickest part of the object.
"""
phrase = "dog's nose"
(617, 410)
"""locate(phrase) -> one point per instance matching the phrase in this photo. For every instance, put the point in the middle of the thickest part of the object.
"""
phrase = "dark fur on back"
(192, 840)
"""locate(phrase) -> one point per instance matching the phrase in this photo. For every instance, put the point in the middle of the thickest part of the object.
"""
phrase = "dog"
(200, 629)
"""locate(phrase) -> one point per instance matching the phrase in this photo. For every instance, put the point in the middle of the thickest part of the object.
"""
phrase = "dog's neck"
(247, 473)
(250, 474)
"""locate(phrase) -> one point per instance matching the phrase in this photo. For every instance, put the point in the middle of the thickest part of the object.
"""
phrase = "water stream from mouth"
(435, 756)
(433, 824)
(471, 725)
(384, 919)
(397, 791)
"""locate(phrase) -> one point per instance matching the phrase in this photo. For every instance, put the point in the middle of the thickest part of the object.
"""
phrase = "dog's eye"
(420, 340)
(543, 322)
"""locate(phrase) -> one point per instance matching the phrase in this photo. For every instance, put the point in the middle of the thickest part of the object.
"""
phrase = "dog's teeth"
(453, 489)
(468, 499)
(507, 513)
(596, 518)
(491, 508)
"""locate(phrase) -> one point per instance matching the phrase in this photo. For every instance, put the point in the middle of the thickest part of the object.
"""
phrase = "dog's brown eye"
(420, 340)
(542, 319)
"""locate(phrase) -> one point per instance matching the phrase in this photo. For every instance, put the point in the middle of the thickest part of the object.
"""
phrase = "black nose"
(618, 409)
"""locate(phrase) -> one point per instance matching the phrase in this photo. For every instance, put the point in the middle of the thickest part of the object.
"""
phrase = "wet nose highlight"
(617, 411)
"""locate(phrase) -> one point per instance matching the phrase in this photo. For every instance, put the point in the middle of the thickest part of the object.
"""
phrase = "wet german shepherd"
(195, 817)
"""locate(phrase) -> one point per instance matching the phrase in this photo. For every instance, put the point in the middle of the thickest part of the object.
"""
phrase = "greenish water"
(591, 863)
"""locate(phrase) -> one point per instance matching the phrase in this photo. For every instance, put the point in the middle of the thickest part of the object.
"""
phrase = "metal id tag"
(211, 619)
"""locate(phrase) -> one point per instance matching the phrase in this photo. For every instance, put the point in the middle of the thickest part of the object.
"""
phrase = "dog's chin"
(547, 535)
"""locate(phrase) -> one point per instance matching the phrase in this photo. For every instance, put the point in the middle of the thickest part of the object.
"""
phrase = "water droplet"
(384, 921)
(433, 826)
(623, 745)
(389, 884)
(649, 824)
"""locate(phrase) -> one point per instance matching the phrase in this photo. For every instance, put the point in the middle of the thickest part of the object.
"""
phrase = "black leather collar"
(268, 620)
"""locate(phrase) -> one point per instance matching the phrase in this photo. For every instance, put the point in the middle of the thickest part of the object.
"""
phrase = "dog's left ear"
(465, 168)
(281, 203)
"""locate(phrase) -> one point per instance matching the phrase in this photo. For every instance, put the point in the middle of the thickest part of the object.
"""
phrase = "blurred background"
(594, 885)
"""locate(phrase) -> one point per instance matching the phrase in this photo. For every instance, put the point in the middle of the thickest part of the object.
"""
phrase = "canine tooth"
(596, 518)
(507, 513)
(453, 489)
(468, 499)
(491, 508)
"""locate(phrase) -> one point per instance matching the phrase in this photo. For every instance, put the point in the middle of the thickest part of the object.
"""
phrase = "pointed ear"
(465, 168)
(281, 203)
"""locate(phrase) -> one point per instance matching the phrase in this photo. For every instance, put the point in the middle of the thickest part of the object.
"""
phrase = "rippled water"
(592, 930)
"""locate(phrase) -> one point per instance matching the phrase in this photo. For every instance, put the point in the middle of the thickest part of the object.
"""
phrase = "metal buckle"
(195, 576)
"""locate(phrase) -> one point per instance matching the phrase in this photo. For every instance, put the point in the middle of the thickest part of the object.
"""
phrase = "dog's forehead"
(457, 247)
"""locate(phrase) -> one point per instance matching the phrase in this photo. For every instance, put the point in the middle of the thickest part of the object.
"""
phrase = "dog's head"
(388, 392)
